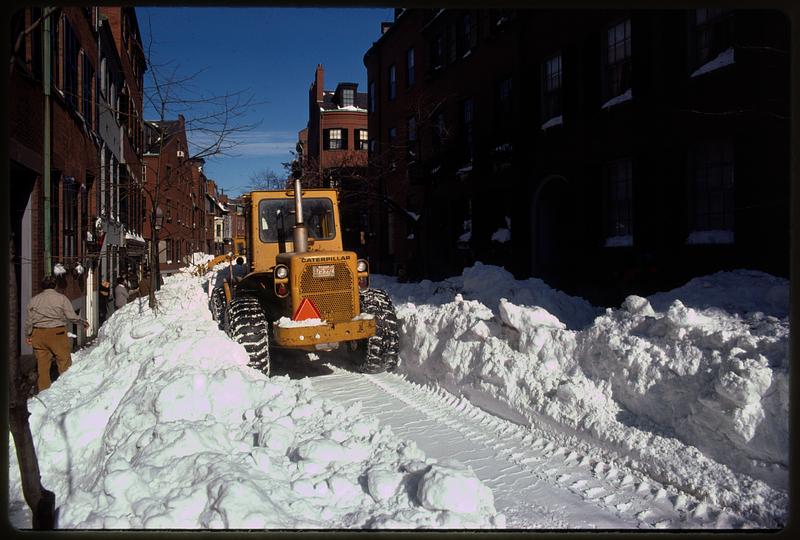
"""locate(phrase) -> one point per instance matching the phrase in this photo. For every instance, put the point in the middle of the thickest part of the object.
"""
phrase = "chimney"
(319, 81)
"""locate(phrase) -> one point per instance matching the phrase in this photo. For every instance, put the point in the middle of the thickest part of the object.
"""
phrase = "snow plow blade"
(309, 336)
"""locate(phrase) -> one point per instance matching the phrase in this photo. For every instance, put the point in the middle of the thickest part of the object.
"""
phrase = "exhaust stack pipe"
(300, 232)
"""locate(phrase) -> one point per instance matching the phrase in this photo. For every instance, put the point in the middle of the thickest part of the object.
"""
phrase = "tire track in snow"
(522, 465)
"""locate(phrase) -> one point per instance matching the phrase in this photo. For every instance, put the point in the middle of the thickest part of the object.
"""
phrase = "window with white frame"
(618, 202)
(618, 59)
(362, 139)
(551, 88)
(348, 97)
(333, 139)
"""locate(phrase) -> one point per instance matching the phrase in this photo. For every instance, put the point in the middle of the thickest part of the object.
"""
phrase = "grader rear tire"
(247, 325)
(378, 353)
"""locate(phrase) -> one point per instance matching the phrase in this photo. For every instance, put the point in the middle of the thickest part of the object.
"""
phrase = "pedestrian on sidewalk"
(121, 293)
(106, 301)
(144, 289)
(49, 312)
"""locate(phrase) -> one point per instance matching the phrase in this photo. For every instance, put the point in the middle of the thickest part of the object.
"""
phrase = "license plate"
(323, 271)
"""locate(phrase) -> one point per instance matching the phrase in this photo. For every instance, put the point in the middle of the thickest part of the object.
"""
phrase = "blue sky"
(269, 52)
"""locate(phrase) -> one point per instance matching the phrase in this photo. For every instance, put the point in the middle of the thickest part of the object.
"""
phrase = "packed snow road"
(537, 482)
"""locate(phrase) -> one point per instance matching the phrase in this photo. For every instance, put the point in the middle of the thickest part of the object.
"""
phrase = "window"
(411, 129)
(618, 59)
(362, 139)
(89, 181)
(452, 45)
(617, 185)
(713, 30)
(411, 134)
(70, 65)
(392, 143)
(504, 104)
(712, 187)
(437, 51)
(392, 82)
(88, 84)
(467, 117)
(372, 96)
(465, 35)
(70, 217)
(438, 130)
(551, 88)
(334, 139)
(410, 67)
(276, 219)
(348, 97)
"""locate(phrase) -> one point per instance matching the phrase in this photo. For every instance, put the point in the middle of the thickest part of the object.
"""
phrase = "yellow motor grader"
(301, 289)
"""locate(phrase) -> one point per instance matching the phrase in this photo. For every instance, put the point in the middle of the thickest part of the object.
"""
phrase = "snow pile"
(161, 424)
(718, 381)
(697, 397)
(488, 284)
(740, 291)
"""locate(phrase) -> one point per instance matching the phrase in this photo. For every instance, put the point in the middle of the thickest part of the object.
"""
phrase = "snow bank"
(695, 396)
(161, 424)
(488, 284)
(740, 291)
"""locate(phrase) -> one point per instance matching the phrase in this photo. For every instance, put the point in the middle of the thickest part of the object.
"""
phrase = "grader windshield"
(276, 219)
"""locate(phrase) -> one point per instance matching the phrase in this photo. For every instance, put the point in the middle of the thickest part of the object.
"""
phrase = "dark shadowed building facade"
(607, 152)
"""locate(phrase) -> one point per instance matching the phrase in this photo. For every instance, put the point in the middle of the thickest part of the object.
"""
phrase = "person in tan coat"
(45, 327)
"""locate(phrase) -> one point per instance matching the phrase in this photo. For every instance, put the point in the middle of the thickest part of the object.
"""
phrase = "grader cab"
(302, 290)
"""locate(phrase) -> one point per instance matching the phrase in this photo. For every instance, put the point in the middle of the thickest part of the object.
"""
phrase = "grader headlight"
(362, 267)
(281, 275)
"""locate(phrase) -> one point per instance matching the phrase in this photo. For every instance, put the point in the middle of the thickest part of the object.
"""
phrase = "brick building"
(65, 204)
(606, 152)
(173, 185)
(332, 149)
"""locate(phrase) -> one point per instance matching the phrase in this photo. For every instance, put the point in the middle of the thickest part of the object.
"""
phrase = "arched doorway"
(552, 225)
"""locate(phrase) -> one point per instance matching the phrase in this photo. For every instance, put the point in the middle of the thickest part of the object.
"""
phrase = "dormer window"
(348, 97)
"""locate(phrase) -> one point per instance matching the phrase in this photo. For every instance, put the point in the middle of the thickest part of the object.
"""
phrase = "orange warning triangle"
(306, 310)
